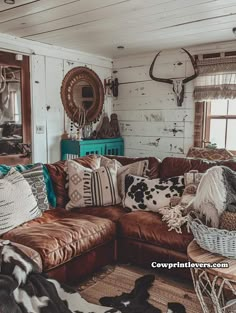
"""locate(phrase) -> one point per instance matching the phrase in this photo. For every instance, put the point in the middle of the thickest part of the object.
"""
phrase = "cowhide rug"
(24, 289)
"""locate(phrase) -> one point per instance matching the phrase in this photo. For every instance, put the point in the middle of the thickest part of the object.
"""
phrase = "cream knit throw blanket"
(215, 193)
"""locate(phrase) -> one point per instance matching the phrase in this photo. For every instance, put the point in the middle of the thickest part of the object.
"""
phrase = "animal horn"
(194, 64)
(161, 80)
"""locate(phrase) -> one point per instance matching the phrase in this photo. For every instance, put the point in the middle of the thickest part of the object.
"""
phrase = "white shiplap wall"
(48, 66)
(147, 110)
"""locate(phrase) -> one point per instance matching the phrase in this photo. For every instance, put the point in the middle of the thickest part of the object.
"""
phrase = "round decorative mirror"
(82, 95)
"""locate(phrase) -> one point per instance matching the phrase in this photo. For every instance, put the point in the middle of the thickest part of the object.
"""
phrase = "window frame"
(208, 119)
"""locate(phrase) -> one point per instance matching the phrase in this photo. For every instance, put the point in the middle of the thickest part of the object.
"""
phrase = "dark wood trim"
(7, 58)
(199, 124)
(207, 122)
(14, 159)
(218, 55)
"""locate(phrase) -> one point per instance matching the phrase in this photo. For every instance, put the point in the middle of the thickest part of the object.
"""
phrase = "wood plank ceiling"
(99, 26)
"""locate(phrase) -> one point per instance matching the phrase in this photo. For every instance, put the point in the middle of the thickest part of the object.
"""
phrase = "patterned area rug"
(115, 280)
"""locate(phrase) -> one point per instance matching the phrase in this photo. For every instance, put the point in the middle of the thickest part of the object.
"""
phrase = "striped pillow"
(17, 202)
(35, 178)
(89, 187)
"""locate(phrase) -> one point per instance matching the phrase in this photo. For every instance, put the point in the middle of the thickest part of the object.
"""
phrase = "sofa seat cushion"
(148, 227)
(59, 236)
(113, 213)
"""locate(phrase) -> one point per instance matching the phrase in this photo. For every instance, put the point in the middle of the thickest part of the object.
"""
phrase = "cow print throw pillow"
(151, 195)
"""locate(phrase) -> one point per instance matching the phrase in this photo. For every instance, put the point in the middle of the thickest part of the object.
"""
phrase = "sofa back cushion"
(59, 177)
(172, 166)
(153, 167)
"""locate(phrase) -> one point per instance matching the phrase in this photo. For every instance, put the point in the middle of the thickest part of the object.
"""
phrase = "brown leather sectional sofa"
(73, 244)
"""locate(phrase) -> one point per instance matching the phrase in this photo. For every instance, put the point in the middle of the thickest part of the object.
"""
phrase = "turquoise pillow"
(20, 168)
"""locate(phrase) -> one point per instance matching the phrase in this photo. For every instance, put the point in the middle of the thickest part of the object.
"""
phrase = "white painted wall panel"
(150, 120)
(38, 108)
(54, 108)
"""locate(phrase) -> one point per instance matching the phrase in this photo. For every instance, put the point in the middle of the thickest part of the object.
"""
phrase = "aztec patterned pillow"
(138, 168)
(18, 204)
(35, 178)
(58, 174)
(89, 187)
(153, 194)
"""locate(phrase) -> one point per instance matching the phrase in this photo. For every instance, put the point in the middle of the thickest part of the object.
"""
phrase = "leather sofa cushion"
(149, 228)
(178, 166)
(58, 177)
(58, 236)
(112, 213)
(34, 255)
(154, 163)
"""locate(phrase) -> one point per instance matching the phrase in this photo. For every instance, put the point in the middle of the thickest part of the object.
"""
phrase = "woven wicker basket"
(215, 240)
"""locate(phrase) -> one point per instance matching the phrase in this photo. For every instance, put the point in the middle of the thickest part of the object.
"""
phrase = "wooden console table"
(218, 284)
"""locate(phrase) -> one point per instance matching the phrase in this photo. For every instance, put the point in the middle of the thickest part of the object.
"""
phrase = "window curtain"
(216, 80)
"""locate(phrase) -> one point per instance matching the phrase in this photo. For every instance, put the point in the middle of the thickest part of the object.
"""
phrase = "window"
(220, 127)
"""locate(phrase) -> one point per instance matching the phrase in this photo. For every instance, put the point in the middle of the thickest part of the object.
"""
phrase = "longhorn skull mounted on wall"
(177, 83)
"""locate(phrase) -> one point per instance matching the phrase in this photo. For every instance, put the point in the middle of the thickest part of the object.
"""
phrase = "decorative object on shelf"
(104, 129)
(87, 131)
(115, 125)
(71, 149)
(82, 96)
(178, 84)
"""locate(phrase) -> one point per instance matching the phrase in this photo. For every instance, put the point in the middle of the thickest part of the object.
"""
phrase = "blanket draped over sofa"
(23, 289)
(215, 194)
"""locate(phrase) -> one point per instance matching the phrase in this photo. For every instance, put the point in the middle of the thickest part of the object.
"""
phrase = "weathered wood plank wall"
(150, 121)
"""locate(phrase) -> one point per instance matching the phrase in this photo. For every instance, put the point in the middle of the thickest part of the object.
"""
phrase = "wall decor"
(111, 87)
(82, 96)
(177, 83)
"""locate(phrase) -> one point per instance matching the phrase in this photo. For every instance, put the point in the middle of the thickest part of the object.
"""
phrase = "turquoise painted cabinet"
(71, 149)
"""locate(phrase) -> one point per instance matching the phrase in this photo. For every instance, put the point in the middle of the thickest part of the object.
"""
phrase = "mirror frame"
(75, 75)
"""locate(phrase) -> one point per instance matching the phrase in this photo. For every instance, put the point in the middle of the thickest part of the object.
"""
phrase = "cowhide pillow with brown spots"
(151, 194)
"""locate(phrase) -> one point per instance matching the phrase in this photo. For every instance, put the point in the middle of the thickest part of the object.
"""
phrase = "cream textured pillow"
(18, 204)
(89, 187)
(138, 168)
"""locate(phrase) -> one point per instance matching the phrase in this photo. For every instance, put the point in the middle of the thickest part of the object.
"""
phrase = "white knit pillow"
(17, 202)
